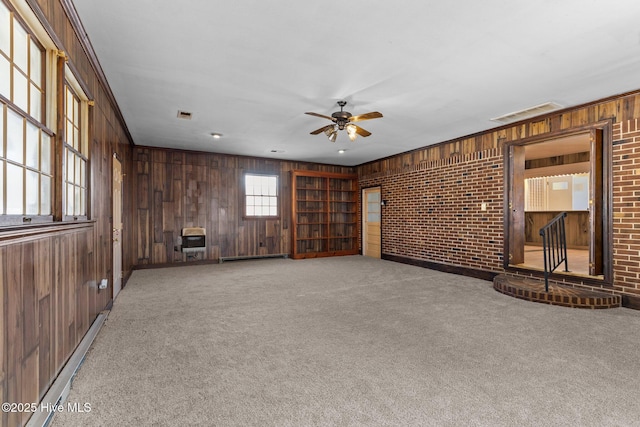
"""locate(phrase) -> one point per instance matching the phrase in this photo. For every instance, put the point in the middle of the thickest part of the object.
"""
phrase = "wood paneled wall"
(619, 109)
(49, 275)
(177, 189)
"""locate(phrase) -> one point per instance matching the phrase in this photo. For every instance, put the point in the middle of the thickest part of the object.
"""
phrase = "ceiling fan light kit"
(344, 121)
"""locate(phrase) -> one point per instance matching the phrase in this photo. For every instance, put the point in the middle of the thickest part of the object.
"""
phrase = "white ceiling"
(249, 69)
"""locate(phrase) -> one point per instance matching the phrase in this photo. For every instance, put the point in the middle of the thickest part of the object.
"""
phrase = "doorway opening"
(567, 172)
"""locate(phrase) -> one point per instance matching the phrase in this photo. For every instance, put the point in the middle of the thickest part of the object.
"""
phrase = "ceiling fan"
(344, 120)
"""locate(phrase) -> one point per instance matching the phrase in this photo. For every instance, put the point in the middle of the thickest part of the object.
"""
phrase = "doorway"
(117, 226)
(567, 172)
(371, 220)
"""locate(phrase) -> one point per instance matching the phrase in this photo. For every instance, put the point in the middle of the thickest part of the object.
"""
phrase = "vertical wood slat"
(14, 328)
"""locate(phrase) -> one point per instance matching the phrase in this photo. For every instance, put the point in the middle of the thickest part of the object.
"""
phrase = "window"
(26, 171)
(557, 193)
(261, 195)
(75, 157)
(31, 187)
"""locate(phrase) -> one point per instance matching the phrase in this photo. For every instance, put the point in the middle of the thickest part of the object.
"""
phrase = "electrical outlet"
(103, 284)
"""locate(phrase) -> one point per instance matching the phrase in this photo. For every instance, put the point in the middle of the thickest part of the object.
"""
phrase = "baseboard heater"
(243, 257)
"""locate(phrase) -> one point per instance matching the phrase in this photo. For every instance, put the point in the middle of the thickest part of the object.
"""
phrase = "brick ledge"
(533, 290)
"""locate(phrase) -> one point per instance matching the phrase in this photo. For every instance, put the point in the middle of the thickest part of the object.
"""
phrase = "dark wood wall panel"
(48, 280)
(46, 285)
(177, 189)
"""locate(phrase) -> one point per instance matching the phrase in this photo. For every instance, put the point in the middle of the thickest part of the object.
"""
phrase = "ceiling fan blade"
(367, 116)
(362, 132)
(321, 116)
(322, 129)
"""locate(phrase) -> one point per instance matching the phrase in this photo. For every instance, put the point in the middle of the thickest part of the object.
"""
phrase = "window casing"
(261, 195)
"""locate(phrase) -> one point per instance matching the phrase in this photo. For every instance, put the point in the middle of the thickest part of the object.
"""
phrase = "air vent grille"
(528, 112)
(184, 115)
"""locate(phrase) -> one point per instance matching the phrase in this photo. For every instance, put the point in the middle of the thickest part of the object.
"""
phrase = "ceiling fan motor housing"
(341, 118)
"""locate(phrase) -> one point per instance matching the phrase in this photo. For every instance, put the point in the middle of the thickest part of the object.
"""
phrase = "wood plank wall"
(177, 189)
(619, 109)
(48, 277)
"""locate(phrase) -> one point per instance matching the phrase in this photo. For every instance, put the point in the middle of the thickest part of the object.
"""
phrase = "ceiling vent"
(528, 112)
(184, 115)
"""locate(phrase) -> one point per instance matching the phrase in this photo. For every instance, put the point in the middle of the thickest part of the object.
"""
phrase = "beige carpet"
(351, 341)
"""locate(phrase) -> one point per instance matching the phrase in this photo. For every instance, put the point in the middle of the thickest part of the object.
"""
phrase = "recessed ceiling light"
(216, 135)
(277, 151)
(342, 151)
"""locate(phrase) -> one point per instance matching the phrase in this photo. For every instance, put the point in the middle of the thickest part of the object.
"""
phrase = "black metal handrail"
(554, 246)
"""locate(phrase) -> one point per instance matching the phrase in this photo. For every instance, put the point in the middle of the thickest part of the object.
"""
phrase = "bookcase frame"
(324, 214)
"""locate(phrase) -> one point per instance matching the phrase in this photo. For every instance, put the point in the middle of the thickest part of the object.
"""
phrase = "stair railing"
(554, 246)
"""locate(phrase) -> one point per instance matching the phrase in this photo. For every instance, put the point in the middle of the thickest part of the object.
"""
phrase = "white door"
(371, 235)
(117, 226)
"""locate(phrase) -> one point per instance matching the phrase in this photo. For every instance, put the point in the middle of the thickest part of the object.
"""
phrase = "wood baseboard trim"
(454, 269)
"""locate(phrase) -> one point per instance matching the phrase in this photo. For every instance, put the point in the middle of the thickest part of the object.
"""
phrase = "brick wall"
(434, 195)
(626, 206)
(434, 210)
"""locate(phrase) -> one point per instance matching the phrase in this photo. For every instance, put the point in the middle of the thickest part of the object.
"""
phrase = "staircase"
(531, 289)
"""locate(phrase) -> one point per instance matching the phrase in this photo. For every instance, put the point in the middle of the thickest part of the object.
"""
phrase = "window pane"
(83, 174)
(45, 161)
(35, 104)
(1, 138)
(76, 204)
(35, 71)
(5, 77)
(273, 211)
(19, 46)
(78, 170)
(251, 210)
(14, 137)
(14, 189)
(33, 196)
(83, 205)
(20, 85)
(5, 25)
(33, 145)
(70, 194)
(76, 142)
(45, 195)
(70, 165)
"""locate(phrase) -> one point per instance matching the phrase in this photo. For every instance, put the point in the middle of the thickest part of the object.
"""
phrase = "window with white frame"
(26, 171)
(261, 195)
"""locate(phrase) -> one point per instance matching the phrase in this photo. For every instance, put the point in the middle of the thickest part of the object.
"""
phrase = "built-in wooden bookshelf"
(324, 214)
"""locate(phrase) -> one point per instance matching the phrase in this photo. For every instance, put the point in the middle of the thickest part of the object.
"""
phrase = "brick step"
(532, 289)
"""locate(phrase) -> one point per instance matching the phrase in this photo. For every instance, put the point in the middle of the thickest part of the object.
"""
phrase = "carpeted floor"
(351, 341)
